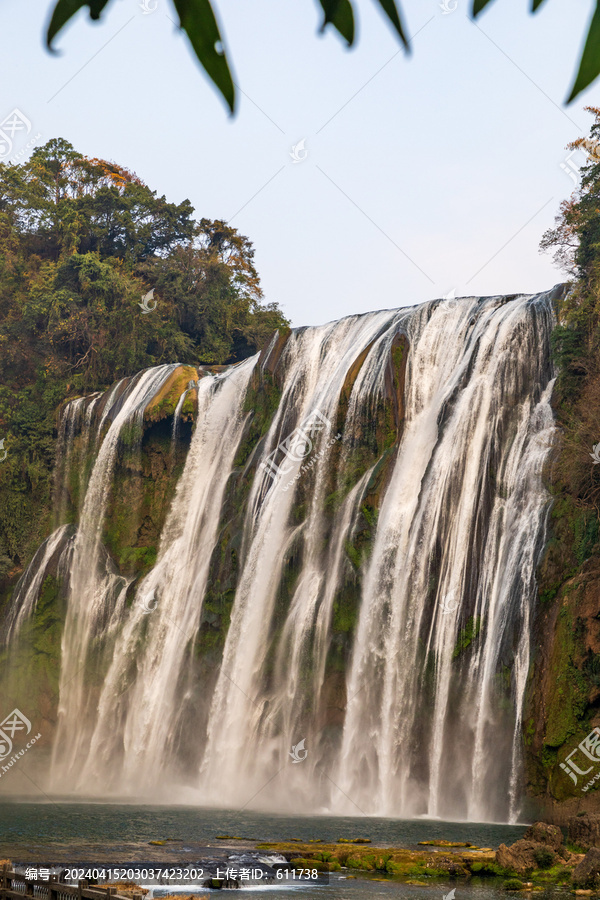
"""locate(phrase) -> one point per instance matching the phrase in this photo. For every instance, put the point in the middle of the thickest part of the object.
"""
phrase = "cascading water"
(96, 597)
(348, 564)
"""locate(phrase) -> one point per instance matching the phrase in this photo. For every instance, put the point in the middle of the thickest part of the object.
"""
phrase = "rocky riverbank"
(540, 858)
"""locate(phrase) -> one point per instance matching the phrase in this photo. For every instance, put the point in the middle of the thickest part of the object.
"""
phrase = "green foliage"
(197, 18)
(585, 536)
(589, 67)
(341, 15)
(575, 479)
(384, 863)
(512, 884)
(81, 242)
(487, 869)
(565, 706)
(467, 635)
(302, 863)
(589, 64)
(544, 857)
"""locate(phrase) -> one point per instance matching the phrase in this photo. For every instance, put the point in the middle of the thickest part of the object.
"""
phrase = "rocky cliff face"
(402, 512)
(564, 697)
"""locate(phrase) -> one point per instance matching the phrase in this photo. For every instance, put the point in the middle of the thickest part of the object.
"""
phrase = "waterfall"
(28, 589)
(147, 703)
(347, 567)
(421, 732)
(96, 590)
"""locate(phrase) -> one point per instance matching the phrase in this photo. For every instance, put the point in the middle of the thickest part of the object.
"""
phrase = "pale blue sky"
(422, 175)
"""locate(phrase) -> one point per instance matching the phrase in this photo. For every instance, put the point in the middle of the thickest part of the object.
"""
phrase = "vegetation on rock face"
(82, 241)
(467, 635)
(564, 690)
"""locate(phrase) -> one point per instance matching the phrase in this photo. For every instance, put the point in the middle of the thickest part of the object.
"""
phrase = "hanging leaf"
(479, 6)
(339, 14)
(589, 67)
(66, 9)
(536, 5)
(392, 12)
(199, 23)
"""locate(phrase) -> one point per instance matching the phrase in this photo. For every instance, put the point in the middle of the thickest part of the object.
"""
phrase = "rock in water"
(588, 869)
(541, 833)
(584, 830)
(521, 856)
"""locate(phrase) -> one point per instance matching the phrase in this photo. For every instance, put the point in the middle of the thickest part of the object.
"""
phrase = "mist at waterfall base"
(424, 729)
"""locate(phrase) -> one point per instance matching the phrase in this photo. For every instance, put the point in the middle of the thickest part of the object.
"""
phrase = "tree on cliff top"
(82, 240)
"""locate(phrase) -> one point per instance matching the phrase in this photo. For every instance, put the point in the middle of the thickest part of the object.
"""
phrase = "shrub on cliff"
(575, 241)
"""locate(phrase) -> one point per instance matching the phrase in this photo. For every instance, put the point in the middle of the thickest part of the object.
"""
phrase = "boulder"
(584, 830)
(587, 871)
(520, 856)
(541, 833)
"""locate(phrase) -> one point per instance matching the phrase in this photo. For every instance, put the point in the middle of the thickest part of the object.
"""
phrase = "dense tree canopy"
(82, 241)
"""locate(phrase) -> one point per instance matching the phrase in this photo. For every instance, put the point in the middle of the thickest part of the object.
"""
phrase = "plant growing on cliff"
(565, 687)
(575, 242)
(81, 241)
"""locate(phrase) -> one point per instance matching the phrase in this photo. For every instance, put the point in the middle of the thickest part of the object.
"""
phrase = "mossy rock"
(467, 635)
(321, 865)
(165, 401)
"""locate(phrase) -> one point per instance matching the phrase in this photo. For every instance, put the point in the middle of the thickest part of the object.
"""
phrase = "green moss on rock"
(467, 635)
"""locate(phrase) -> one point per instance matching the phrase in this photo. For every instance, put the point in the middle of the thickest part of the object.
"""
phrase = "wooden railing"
(16, 887)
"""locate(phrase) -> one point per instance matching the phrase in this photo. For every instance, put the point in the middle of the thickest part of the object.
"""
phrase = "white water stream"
(425, 718)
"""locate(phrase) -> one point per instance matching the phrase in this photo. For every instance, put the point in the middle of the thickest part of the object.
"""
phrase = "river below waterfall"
(56, 832)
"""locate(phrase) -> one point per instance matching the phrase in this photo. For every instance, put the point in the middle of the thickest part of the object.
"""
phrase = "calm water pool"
(72, 832)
